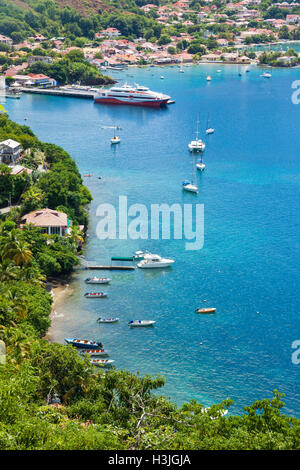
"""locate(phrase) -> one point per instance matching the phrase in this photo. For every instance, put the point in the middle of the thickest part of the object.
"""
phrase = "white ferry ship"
(131, 95)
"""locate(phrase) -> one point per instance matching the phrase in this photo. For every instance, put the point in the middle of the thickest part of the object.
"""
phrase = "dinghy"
(95, 352)
(84, 343)
(95, 295)
(206, 310)
(98, 280)
(141, 323)
(107, 320)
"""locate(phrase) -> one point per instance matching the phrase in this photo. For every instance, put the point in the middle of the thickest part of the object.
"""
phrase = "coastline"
(60, 290)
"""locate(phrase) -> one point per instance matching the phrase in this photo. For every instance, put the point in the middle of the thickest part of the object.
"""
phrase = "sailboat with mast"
(209, 130)
(197, 145)
(189, 185)
(115, 139)
(200, 165)
(181, 69)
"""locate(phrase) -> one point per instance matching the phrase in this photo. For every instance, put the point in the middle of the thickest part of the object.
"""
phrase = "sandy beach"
(59, 290)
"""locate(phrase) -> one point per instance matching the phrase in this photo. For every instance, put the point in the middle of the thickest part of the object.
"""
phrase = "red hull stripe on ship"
(151, 104)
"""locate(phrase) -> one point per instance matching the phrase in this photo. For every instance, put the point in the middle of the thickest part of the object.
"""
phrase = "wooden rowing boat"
(206, 310)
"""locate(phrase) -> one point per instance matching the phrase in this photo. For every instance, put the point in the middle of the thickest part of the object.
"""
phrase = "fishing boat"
(84, 343)
(95, 295)
(196, 145)
(206, 310)
(108, 320)
(101, 362)
(95, 352)
(98, 280)
(154, 261)
(141, 323)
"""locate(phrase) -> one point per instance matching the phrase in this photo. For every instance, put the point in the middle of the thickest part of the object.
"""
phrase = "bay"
(250, 259)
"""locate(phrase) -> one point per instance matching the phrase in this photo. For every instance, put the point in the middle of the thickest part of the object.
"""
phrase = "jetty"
(111, 267)
(71, 93)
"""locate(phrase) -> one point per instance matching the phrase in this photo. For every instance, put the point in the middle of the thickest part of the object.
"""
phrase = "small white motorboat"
(98, 280)
(108, 320)
(266, 75)
(162, 77)
(208, 78)
(154, 261)
(141, 323)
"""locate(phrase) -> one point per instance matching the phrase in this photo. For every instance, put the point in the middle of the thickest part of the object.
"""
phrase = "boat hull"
(146, 103)
(205, 311)
(87, 345)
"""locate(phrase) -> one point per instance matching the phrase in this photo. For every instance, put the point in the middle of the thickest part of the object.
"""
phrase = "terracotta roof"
(46, 218)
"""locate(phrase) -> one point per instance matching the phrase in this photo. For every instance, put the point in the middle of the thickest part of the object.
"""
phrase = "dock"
(87, 94)
(112, 268)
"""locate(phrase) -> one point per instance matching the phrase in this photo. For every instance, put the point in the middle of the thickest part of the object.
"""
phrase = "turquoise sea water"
(285, 46)
(250, 259)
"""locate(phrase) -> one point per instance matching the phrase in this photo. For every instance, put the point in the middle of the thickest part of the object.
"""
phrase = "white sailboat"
(200, 165)
(115, 139)
(181, 69)
(189, 185)
(209, 130)
(196, 145)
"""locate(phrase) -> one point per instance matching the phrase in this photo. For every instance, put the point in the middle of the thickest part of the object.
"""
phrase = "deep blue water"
(250, 259)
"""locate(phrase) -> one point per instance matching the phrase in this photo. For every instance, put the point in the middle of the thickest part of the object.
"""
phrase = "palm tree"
(8, 272)
(21, 253)
(76, 235)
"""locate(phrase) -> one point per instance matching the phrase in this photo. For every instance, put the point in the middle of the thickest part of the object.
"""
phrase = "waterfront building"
(49, 221)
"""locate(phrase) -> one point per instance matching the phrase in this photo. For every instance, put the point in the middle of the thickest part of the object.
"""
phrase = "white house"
(10, 151)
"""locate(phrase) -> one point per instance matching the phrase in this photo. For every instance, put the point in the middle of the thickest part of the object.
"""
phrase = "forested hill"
(72, 18)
